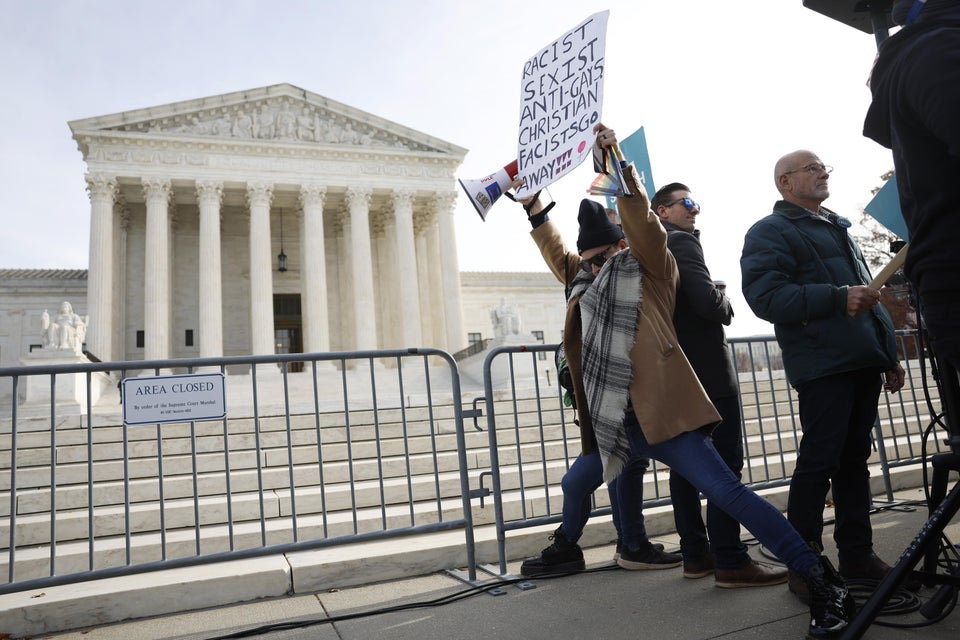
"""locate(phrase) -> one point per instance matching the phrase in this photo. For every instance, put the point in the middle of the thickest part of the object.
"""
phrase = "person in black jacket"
(700, 314)
(916, 112)
(805, 274)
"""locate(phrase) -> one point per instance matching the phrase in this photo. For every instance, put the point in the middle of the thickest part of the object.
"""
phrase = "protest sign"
(560, 102)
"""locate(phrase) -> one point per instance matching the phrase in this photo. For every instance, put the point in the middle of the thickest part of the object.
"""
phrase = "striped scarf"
(608, 312)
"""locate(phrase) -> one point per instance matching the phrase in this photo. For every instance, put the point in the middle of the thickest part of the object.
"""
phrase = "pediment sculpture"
(275, 120)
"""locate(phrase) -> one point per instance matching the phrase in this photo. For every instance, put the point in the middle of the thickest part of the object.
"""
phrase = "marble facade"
(192, 202)
(187, 202)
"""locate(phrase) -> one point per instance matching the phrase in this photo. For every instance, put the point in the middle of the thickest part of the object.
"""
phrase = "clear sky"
(722, 89)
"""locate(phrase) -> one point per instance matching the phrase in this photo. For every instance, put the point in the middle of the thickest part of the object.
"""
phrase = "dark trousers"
(724, 531)
(942, 317)
(837, 414)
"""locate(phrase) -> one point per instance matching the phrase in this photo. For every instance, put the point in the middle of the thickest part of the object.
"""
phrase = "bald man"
(805, 274)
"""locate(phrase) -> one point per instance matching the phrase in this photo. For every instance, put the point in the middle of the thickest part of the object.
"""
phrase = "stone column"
(209, 199)
(360, 262)
(100, 284)
(406, 277)
(156, 285)
(262, 339)
(121, 227)
(421, 222)
(346, 327)
(450, 271)
(385, 291)
(313, 271)
(434, 268)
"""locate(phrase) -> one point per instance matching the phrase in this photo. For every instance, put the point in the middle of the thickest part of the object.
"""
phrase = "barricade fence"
(904, 433)
(355, 446)
(319, 450)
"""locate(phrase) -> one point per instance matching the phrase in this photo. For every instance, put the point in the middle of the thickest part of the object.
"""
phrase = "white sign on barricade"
(179, 398)
(561, 101)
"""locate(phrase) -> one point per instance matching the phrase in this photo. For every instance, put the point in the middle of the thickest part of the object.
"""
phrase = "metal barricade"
(357, 446)
(526, 475)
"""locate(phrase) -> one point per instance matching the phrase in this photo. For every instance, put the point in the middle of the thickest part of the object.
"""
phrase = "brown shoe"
(755, 574)
(701, 568)
(872, 568)
(869, 567)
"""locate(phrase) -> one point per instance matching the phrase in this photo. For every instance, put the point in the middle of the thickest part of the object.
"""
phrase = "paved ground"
(604, 602)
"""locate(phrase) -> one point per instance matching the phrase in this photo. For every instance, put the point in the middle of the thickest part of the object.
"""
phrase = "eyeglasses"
(687, 202)
(598, 260)
(814, 168)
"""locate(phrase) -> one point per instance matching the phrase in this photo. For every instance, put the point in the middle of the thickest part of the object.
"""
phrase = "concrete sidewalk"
(604, 602)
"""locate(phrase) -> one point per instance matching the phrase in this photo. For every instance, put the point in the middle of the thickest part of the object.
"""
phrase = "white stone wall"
(538, 297)
(24, 294)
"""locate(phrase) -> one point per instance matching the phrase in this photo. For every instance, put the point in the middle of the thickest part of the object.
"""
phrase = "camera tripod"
(942, 506)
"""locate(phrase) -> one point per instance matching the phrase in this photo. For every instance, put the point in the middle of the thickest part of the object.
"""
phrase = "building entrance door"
(288, 326)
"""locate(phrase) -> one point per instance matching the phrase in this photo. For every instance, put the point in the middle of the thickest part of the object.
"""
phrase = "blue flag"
(885, 209)
(634, 149)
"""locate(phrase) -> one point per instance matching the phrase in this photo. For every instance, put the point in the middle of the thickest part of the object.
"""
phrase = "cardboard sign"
(561, 99)
(181, 398)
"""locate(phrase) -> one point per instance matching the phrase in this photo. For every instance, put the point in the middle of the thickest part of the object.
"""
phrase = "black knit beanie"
(596, 229)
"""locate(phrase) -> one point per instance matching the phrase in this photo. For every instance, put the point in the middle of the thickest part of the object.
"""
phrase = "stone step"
(73, 552)
(369, 561)
(33, 468)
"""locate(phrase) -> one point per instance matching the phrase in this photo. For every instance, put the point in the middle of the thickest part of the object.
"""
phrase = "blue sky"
(722, 90)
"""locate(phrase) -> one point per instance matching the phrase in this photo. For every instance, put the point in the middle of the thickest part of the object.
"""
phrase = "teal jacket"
(796, 267)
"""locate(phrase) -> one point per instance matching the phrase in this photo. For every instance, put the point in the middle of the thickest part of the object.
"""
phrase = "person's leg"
(688, 518)
(564, 554)
(941, 314)
(694, 456)
(692, 453)
(729, 551)
(825, 407)
(626, 501)
(578, 484)
(853, 532)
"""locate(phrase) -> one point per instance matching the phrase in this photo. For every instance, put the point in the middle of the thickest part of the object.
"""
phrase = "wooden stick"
(890, 269)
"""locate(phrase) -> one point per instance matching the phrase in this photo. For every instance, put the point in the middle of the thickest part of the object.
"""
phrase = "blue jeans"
(695, 458)
(837, 414)
(724, 531)
(626, 498)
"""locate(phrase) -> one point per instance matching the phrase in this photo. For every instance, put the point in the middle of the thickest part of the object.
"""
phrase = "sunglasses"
(598, 260)
(687, 202)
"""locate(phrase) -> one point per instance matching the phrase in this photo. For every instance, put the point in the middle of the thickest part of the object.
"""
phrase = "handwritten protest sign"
(561, 100)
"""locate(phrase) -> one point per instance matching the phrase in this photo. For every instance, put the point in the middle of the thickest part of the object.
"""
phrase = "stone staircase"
(329, 476)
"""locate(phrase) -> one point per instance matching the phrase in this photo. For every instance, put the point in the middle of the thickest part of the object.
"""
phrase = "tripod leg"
(929, 533)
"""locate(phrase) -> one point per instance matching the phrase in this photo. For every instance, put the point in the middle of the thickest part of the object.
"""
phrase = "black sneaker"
(616, 554)
(831, 608)
(650, 557)
(562, 556)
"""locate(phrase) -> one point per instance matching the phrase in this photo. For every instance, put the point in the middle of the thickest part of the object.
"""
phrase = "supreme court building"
(274, 216)
(265, 221)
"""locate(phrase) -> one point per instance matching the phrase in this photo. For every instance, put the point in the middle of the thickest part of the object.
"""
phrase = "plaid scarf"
(608, 312)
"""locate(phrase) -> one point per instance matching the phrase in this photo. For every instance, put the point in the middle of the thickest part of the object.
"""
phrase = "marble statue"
(66, 332)
(506, 320)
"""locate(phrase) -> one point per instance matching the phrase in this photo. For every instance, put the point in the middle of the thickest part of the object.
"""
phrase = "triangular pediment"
(279, 113)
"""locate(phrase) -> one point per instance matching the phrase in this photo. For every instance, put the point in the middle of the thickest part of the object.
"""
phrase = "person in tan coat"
(643, 397)
(599, 237)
